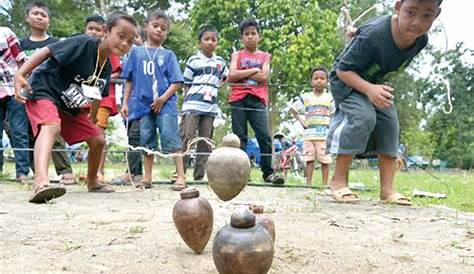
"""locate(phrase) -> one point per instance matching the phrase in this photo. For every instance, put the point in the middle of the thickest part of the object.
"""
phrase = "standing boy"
(366, 119)
(202, 76)
(11, 57)
(153, 77)
(37, 16)
(74, 70)
(249, 71)
(317, 106)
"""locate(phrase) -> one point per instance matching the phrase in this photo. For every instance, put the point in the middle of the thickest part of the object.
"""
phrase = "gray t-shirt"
(374, 55)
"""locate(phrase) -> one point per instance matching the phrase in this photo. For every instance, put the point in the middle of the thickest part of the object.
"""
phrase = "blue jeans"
(167, 124)
(16, 115)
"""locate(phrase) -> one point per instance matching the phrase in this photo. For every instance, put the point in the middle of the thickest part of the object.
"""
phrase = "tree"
(453, 133)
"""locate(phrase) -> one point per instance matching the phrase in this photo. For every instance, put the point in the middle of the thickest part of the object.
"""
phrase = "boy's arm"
(239, 74)
(93, 111)
(159, 102)
(298, 117)
(262, 76)
(380, 95)
(126, 96)
(20, 76)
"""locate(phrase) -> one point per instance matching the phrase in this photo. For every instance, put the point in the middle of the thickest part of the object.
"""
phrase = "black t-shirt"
(374, 55)
(29, 47)
(59, 78)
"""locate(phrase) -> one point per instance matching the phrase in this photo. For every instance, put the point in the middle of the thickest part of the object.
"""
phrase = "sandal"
(143, 184)
(67, 179)
(44, 193)
(397, 199)
(344, 195)
(178, 187)
(102, 188)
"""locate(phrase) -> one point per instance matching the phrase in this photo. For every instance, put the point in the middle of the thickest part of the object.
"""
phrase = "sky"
(457, 18)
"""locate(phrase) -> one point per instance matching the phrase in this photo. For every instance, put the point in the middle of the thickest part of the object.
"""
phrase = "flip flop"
(178, 187)
(102, 188)
(67, 179)
(143, 184)
(44, 193)
(397, 199)
(344, 195)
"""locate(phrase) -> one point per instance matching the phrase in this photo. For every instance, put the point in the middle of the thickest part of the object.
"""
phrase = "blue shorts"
(167, 125)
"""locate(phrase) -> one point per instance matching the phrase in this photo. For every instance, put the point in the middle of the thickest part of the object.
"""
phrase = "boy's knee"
(97, 141)
(51, 129)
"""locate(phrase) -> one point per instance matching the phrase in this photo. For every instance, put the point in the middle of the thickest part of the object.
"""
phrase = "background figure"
(202, 76)
(37, 17)
(11, 57)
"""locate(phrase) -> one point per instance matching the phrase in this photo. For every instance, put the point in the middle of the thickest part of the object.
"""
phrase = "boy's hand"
(21, 85)
(124, 111)
(157, 104)
(381, 96)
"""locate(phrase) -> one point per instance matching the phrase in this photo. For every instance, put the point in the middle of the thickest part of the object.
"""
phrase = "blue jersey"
(145, 67)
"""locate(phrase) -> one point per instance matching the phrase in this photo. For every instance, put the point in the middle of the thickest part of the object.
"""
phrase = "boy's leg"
(309, 172)
(325, 173)
(45, 122)
(387, 168)
(188, 130)
(19, 138)
(206, 128)
(102, 121)
(239, 122)
(60, 159)
(171, 143)
(43, 146)
(78, 128)
(3, 109)
(134, 157)
(96, 146)
(259, 122)
(148, 166)
(148, 139)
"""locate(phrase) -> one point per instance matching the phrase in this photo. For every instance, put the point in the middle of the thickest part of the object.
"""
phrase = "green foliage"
(453, 133)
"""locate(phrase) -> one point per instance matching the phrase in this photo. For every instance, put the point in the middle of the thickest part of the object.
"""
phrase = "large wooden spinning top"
(228, 168)
(242, 247)
(193, 218)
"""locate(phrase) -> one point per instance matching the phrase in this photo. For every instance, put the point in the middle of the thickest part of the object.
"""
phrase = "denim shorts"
(167, 125)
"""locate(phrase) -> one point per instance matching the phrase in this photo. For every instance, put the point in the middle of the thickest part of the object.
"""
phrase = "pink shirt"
(248, 60)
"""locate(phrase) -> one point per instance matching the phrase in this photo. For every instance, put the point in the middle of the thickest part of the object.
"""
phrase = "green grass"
(458, 186)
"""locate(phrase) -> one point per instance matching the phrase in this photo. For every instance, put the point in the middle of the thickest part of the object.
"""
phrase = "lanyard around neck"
(95, 76)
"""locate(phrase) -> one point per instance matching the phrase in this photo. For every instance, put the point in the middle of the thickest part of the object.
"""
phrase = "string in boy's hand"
(22, 88)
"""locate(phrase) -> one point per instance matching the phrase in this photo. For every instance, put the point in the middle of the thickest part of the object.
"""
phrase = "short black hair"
(206, 28)
(36, 4)
(249, 22)
(439, 1)
(119, 15)
(320, 68)
(142, 33)
(158, 14)
(95, 18)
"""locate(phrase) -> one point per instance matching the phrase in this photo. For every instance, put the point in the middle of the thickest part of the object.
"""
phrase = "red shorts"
(74, 129)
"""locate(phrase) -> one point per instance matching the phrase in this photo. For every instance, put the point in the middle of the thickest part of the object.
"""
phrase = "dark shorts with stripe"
(359, 127)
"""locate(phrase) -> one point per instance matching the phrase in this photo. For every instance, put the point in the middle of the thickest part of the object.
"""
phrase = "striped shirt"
(10, 56)
(203, 76)
(317, 110)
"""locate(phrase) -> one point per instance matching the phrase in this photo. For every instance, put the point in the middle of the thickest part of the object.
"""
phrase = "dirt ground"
(132, 231)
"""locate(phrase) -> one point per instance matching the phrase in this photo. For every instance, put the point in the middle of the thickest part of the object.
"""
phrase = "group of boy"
(364, 117)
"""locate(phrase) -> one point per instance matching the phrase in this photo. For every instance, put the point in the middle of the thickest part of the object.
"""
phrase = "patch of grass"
(458, 186)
